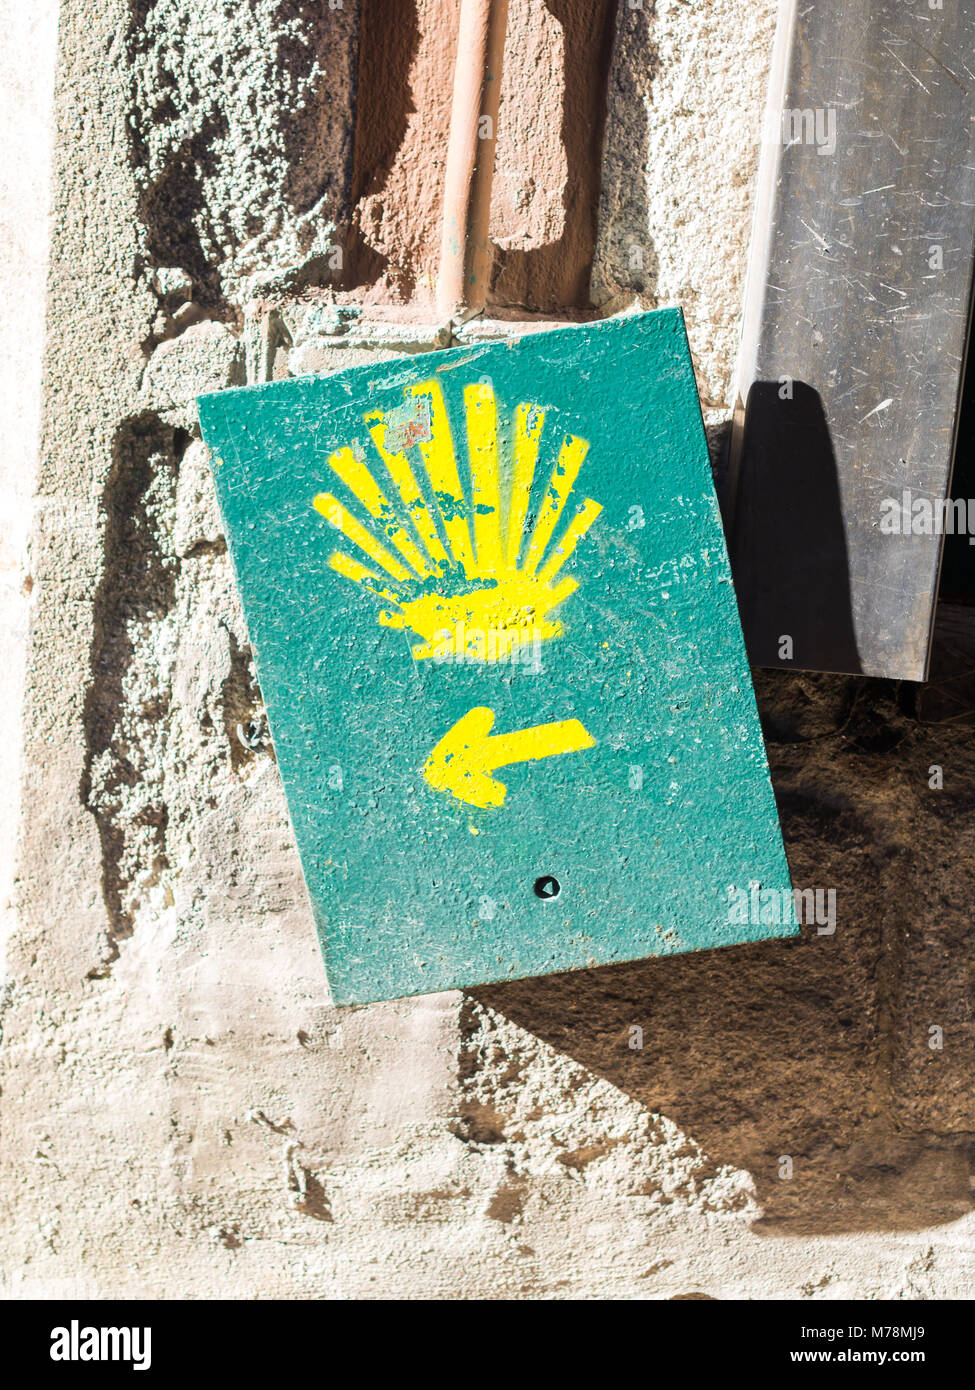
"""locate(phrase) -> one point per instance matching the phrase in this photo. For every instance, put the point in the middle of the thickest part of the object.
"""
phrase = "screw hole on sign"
(546, 887)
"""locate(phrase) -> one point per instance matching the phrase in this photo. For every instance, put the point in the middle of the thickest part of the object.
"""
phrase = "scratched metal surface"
(851, 299)
(435, 793)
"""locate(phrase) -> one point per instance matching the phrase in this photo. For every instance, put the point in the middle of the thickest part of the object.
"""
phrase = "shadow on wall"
(389, 36)
(556, 275)
(625, 265)
(122, 782)
(817, 1049)
(788, 546)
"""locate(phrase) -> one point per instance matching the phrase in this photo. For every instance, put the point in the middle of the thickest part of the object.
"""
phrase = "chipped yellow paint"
(571, 455)
(528, 433)
(398, 467)
(440, 462)
(470, 594)
(463, 760)
(343, 520)
(574, 532)
(360, 574)
(347, 465)
(482, 440)
(486, 625)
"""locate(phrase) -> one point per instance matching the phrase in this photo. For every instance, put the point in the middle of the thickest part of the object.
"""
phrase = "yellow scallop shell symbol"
(471, 570)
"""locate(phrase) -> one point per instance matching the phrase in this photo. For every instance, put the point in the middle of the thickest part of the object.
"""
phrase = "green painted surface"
(476, 729)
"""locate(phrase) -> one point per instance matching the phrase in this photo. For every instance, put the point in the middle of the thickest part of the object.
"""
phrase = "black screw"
(547, 887)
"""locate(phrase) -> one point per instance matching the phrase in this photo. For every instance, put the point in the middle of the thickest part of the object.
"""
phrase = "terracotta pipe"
(466, 253)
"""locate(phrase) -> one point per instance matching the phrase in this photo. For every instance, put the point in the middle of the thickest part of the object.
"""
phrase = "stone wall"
(183, 1113)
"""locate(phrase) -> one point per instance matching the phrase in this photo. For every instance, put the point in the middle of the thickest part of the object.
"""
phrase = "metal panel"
(498, 642)
(856, 320)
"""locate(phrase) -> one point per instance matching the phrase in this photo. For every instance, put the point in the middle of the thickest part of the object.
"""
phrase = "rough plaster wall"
(687, 93)
(28, 38)
(183, 1114)
(240, 139)
(405, 61)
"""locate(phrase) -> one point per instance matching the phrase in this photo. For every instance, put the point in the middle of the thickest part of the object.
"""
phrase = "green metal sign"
(494, 624)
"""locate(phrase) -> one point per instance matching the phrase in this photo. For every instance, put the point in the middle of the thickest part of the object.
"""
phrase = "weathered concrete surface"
(686, 97)
(183, 1113)
(28, 40)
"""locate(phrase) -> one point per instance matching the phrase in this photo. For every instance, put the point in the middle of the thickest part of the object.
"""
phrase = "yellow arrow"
(465, 757)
